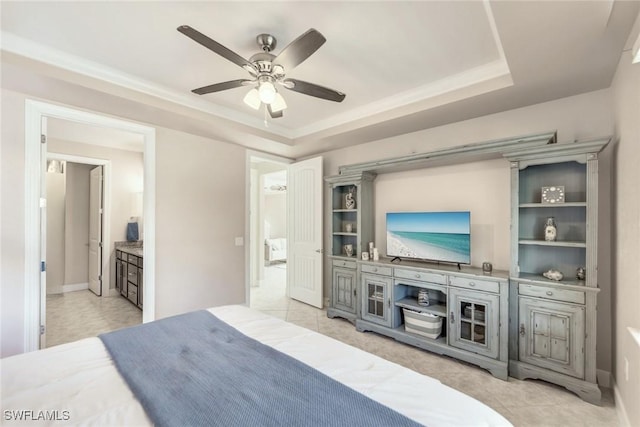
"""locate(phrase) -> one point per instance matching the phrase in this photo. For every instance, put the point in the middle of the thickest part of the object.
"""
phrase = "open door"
(95, 231)
(304, 206)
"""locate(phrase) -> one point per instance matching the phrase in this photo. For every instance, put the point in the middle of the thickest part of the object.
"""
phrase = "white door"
(95, 231)
(304, 214)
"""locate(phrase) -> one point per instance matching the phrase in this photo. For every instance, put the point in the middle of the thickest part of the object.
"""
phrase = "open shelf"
(556, 243)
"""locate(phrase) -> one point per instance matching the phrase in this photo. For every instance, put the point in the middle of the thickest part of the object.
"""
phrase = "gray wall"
(626, 240)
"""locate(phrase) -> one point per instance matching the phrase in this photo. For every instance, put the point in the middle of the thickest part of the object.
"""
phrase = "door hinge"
(100, 245)
(43, 139)
(41, 329)
(43, 266)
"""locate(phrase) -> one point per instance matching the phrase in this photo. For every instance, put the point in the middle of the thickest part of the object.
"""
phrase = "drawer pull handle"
(451, 317)
(549, 293)
(522, 329)
(417, 276)
(472, 284)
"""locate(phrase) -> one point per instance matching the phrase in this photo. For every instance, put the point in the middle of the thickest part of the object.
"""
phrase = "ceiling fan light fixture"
(267, 92)
(278, 103)
(252, 99)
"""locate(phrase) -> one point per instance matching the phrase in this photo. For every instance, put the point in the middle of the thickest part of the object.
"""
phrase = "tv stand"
(472, 308)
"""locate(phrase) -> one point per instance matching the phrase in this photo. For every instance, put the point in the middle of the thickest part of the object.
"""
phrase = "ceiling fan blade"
(217, 48)
(299, 49)
(274, 115)
(313, 90)
(222, 86)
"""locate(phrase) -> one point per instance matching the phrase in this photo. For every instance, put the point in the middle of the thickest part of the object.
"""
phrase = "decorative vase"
(350, 199)
(423, 297)
(550, 230)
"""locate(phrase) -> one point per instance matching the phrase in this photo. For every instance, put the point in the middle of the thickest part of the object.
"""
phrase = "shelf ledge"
(562, 244)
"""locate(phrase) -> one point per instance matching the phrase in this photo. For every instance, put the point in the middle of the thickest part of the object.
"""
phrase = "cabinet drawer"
(344, 264)
(555, 294)
(376, 269)
(133, 259)
(473, 283)
(422, 276)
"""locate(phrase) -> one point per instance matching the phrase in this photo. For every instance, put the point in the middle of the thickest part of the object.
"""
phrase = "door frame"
(35, 111)
(106, 200)
(248, 250)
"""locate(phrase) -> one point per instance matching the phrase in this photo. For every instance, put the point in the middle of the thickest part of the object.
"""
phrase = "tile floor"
(524, 403)
(81, 314)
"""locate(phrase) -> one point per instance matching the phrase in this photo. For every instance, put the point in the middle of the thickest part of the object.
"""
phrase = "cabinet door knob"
(375, 269)
(417, 276)
(472, 284)
(451, 317)
(549, 293)
(522, 329)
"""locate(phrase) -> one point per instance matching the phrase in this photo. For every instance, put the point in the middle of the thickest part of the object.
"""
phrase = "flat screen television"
(432, 236)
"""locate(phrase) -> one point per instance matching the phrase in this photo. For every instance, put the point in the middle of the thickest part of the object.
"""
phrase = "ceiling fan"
(267, 70)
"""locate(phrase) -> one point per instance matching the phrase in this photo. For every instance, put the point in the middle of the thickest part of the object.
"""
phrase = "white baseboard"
(620, 409)
(604, 378)
(75, 287)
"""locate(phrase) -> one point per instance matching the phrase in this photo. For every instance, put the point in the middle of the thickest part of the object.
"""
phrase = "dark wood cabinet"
(129, 276)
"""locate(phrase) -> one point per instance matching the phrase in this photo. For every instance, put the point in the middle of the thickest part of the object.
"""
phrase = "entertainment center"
(517, 323)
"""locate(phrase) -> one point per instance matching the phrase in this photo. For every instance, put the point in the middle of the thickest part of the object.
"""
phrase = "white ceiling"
(404, 66)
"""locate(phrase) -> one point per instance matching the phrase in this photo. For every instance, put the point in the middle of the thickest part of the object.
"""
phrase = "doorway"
(268, 236)
(36, 116)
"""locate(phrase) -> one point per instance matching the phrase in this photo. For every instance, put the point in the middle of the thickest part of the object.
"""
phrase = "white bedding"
(81, 379)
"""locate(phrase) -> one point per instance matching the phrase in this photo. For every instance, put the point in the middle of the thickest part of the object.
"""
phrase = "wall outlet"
(626, 369)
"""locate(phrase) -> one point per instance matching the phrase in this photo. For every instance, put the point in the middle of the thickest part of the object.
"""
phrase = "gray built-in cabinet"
(351, 232)
(553, 322)
(517, 323)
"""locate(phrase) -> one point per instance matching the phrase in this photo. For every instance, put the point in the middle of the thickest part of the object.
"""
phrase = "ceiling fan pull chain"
(266, 115)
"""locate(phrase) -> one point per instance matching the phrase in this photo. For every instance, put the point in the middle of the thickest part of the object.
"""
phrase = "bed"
(79, 383)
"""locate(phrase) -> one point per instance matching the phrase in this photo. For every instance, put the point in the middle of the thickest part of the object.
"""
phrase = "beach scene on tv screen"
(438, 236)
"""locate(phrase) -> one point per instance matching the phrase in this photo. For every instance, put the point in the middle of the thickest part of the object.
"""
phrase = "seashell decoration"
(553, 275)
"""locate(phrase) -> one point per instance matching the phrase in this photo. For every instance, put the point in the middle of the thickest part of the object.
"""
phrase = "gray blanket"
(196, 370)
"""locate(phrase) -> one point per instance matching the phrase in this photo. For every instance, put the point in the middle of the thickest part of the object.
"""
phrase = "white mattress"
(80, 378)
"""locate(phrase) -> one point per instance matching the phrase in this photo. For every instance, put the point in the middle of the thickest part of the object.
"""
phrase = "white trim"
(34, 112)
(76, 287)
(623, 418)
(76, 64)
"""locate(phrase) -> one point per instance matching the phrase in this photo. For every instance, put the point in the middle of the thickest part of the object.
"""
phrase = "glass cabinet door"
(474, 320)
(376, 299)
